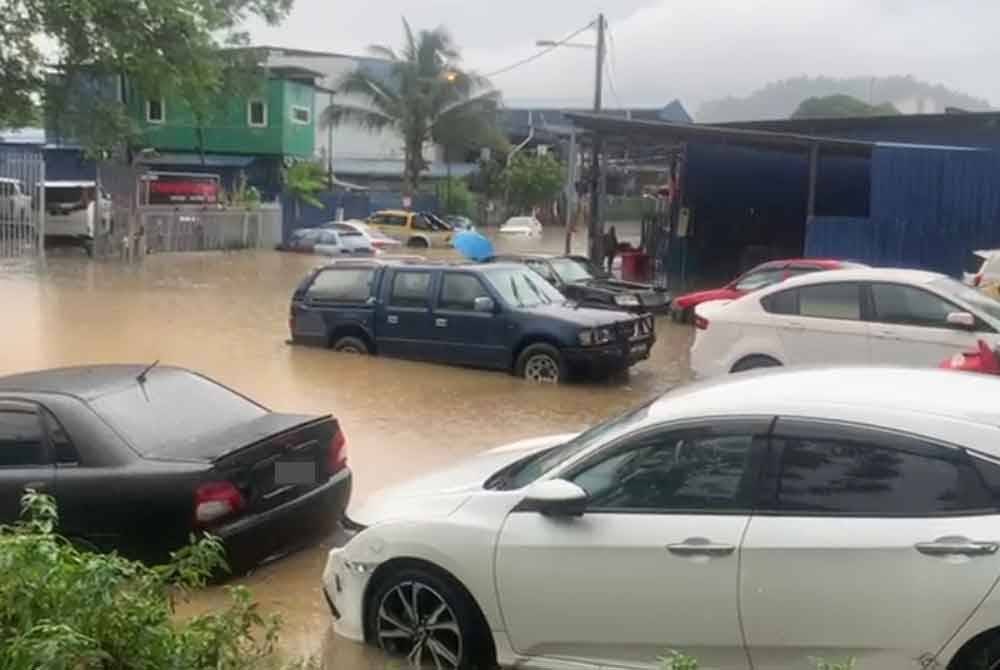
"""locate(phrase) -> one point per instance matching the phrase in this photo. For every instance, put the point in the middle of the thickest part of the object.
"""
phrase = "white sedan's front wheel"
(428, 619)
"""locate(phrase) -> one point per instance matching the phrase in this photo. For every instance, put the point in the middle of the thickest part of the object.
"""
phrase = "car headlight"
(627, 300)
(596, 336)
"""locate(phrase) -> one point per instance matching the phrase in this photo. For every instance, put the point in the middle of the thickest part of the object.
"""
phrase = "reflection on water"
(226, 315)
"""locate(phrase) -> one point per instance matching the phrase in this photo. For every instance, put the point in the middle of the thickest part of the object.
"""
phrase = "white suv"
(872, 315)
(75, 213)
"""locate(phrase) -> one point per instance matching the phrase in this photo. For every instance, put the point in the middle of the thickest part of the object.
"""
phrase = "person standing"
(610, 247)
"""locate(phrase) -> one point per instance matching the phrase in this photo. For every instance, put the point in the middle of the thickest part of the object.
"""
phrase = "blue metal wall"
(929, 209)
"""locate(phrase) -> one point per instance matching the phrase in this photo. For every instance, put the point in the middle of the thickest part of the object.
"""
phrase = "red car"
(765, 274)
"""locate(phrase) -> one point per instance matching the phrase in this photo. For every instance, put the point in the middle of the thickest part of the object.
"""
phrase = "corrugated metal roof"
(693, 132)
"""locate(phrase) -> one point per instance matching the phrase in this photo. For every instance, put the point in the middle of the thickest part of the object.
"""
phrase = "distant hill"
(780, 99)
(840, 105)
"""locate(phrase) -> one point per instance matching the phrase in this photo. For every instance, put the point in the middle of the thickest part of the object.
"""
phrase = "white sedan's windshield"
(977, 300)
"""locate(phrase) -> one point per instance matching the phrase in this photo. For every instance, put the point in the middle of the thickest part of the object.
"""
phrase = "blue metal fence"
(929, 209)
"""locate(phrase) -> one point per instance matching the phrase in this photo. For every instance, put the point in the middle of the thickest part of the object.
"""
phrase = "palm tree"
(424, 94)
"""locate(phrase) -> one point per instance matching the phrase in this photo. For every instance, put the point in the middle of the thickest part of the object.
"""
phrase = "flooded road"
(226, 316)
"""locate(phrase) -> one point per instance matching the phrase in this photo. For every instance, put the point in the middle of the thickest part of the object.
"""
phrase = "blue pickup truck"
(501, 316)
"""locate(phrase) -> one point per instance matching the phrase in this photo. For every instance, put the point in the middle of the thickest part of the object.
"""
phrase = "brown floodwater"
(226, 314)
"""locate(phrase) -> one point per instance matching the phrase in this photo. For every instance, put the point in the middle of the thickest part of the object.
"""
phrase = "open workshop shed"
(749, 194)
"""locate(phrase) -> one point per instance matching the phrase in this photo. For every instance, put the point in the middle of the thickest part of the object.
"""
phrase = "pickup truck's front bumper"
(608, 358)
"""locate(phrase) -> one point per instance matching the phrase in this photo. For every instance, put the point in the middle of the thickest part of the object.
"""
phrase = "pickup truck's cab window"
(345, 284)
(459, 291)
(410, 289)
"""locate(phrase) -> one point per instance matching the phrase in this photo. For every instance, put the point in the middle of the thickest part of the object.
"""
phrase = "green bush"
(64, 608)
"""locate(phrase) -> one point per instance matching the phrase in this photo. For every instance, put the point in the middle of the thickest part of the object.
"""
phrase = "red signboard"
(182, 189)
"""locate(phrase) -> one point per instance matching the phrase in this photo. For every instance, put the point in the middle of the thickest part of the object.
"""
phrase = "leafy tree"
(304, 181)
(62, 608)
(425, 92)
(150, 48)
(534, 180)
(840, 106)
(456, 198)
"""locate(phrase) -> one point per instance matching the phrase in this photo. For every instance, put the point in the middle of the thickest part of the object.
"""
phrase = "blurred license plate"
(294, 472)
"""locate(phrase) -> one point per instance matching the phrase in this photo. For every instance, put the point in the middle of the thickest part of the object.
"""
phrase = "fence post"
(40, 226)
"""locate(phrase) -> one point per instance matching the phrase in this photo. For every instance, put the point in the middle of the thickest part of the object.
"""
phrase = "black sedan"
(578, 279)
(140, 457)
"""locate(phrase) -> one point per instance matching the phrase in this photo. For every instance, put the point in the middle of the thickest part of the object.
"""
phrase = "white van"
(75, 213)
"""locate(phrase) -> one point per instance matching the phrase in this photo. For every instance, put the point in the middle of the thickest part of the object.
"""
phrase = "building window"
(301, 115)
(257, 114)
(155, 110)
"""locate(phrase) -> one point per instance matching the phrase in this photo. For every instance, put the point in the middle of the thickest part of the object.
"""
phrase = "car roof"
(85, 382)
(416, 263)
(899, 275)
(397, 212)
(932, 402)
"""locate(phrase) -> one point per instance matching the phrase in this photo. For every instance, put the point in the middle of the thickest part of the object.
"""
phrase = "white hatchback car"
(758, 521)
(527, 226)
(870, 315)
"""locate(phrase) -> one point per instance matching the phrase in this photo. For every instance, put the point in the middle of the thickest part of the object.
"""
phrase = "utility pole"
(596, 230)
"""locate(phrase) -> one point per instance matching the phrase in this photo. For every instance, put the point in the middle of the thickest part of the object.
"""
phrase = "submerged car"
(413, 229)
(327, 241)
(76, 213)
(501, 316)
(759, 277)
(578, 279)
(363, 235)
(140, 457)
(458, 222)
(762, 521)
(525, 226)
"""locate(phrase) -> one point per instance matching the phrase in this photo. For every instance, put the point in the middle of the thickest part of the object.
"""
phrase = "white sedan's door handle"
(700, 546)
(951, 546)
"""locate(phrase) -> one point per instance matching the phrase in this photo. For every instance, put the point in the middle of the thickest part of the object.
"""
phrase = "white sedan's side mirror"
(962, 320)
(555, 497)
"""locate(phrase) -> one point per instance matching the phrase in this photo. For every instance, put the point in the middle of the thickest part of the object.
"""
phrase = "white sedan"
(760, 521)
(870, 315)
(527, 226)
(357, 234)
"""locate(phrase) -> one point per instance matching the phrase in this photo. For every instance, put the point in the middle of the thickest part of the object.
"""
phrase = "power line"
(525, 61)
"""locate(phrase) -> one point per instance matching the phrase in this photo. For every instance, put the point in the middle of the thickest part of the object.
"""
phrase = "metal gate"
(22, 202)
(174, 229)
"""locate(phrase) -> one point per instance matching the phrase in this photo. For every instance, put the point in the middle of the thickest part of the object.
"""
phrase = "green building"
(255, 135)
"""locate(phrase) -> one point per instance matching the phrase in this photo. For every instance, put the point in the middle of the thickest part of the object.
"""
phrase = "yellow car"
(413, 229)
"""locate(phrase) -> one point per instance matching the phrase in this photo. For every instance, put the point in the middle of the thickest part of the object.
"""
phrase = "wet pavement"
(225, 314)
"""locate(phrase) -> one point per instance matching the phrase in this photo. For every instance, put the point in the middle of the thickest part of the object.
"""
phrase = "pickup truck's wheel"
(541, 363)
(418, 614)
(417, 243)
(351, 345)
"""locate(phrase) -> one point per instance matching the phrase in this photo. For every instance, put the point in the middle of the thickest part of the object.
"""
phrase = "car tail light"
(216, 500)
(337, 454)
(700, 322)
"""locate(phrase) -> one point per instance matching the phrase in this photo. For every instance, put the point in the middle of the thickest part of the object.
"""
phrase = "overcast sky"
(664, 49)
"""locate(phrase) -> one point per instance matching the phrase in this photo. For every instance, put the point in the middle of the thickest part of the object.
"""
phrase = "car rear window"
(173, 409)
